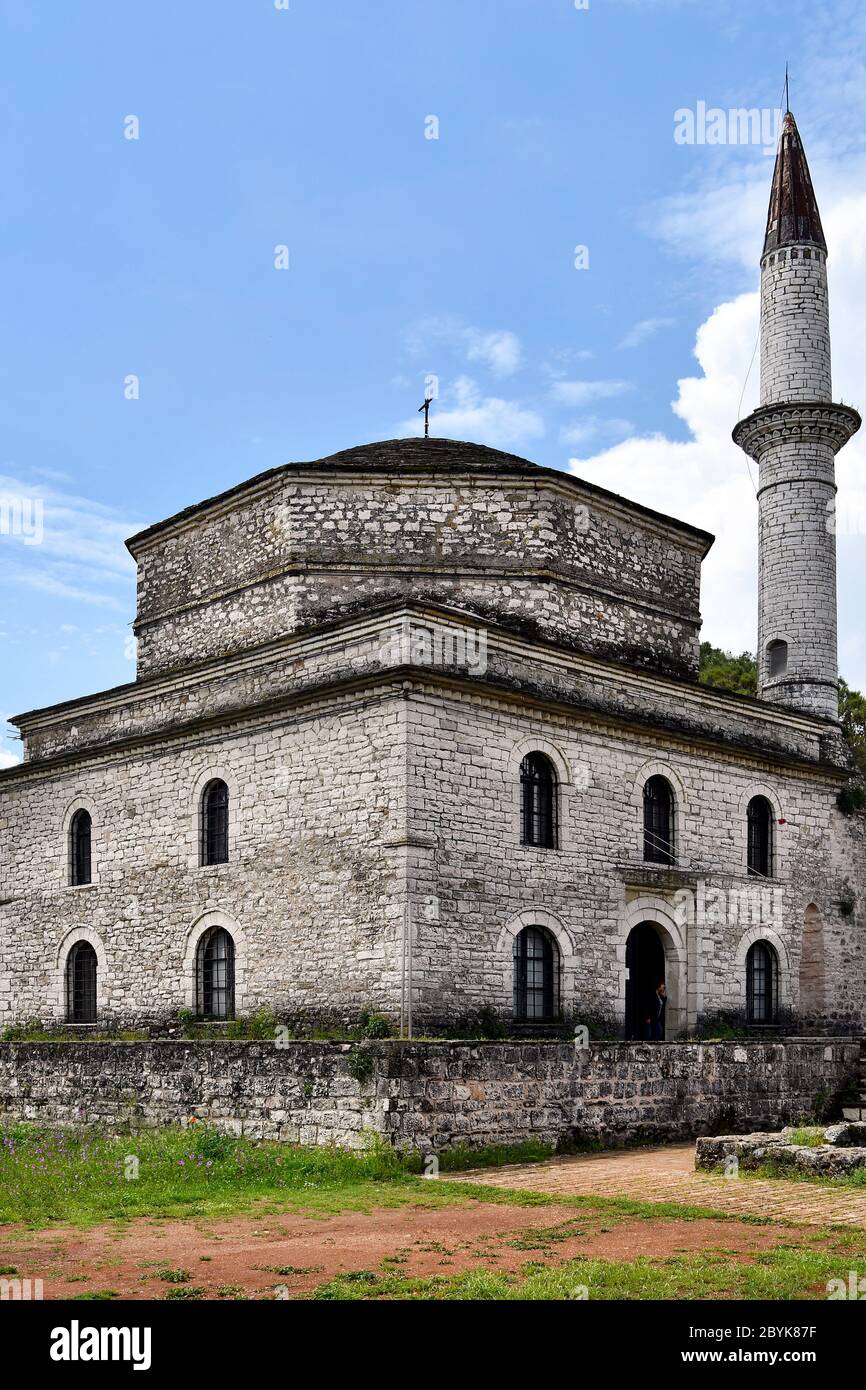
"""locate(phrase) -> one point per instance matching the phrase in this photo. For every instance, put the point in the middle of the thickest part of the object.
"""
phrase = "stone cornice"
(701, 706)
(531, 476)
(364, 626)
(406, 682)
(820, 422)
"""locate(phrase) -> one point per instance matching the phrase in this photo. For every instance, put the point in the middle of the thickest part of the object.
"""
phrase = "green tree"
(740, 674)
(852, 712)
(728, 672)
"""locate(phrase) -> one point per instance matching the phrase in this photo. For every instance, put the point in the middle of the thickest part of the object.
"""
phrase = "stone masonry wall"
(312, 893)
(795, 326)
(797, 581)
(476, 885)
(292, 668)
(313, 543)
(344, 810)
(797, 573)
(430, 1095)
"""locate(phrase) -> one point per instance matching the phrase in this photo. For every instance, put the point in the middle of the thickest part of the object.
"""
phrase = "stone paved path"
(668, 1175)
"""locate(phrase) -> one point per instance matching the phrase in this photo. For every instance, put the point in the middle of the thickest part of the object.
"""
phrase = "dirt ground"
(290, 1255)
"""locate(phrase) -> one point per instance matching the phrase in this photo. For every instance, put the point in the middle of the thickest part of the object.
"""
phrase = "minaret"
(794, 437)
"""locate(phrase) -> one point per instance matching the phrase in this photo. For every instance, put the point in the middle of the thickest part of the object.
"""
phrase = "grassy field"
(80, 1177)
(94, 1183)
(790, 1272)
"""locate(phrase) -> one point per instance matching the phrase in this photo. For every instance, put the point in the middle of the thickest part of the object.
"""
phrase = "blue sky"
(305, 127)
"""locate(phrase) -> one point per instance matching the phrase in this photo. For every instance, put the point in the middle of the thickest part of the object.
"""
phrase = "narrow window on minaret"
(777, 659)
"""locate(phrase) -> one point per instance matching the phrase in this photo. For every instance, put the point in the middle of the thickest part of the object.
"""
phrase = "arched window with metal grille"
(215, 975)
(538, 802)
(658, 821)
(215, 823)
(81, 983)
(762, 983)
(760, 836)
(536, 976)
(80, 836)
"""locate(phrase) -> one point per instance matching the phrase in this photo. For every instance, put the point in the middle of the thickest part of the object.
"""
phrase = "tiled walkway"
(668, 1175)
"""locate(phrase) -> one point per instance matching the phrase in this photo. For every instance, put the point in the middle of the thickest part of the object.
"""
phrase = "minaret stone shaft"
(794, 437)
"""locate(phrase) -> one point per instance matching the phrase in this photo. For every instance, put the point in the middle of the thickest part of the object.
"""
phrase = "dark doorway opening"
(645, 964)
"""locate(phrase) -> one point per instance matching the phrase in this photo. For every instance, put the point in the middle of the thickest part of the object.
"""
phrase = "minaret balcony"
(819, 422)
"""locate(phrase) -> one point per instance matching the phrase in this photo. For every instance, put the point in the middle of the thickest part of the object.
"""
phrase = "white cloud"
(8, 759)
(645, 329)
(594, 427)
(583, 392)
(465, 413)
(499, 350)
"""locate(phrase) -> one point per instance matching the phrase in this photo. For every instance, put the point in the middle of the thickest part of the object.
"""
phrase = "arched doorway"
(812, 996)
(645, 967)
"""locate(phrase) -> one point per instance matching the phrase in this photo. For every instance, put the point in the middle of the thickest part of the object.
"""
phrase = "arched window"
(81, 983)
(760, 831)
(658, 821)
(215, 823)
(762, 983)
(536, 976)
(538, 811)
(79, 848)
(777, 659)
(215, 974)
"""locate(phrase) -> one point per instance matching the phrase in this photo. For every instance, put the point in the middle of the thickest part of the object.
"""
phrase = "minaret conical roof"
(793, 215)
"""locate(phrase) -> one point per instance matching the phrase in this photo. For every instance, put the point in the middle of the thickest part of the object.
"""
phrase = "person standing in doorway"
(661, 1003)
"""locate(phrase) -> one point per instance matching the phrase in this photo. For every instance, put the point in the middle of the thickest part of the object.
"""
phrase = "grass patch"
(494, 1156)
(808, 1137)
(83, 1177)
(781, 1274)
(842, 1181)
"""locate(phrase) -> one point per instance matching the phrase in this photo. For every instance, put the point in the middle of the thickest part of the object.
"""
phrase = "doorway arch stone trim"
(662, 916)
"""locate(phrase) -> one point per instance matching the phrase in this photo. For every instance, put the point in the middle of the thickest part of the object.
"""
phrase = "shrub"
(491, 1025)
(360, 1064)
(376, 1026)
(852, 798)
(212, 1143)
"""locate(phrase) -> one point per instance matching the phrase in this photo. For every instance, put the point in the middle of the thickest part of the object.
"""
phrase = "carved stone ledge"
(822, 422)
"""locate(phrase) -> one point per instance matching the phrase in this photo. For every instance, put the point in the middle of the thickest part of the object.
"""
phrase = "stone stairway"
(857, 1111)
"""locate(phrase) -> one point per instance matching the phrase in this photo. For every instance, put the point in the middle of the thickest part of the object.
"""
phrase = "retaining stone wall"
(430, 1095)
